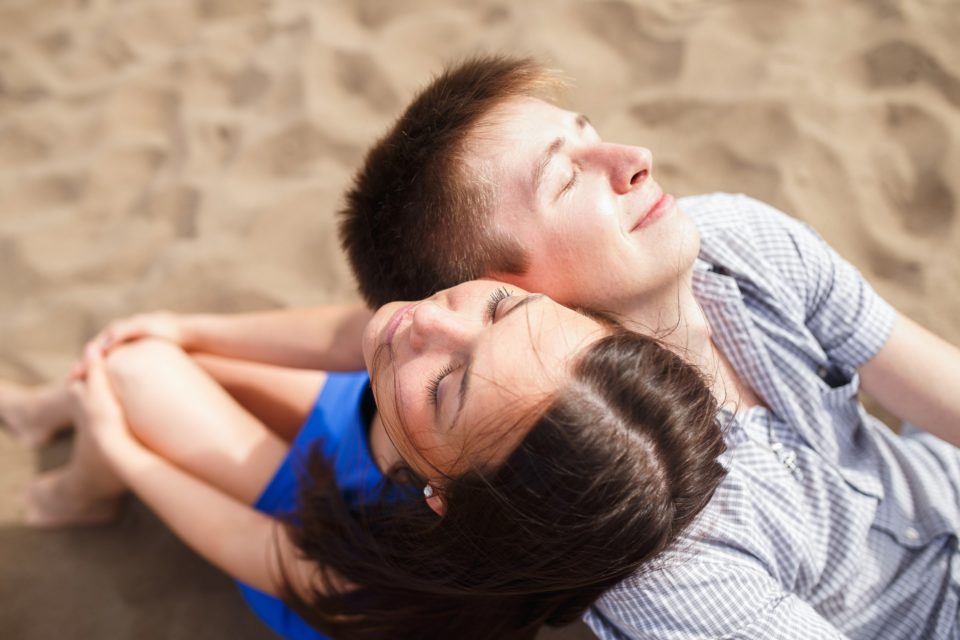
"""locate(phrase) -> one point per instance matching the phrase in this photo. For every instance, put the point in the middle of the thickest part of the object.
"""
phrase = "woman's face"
(468, 362)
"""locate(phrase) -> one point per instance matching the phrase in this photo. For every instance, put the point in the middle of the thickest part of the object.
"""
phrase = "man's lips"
(656, 209)
(394, 323)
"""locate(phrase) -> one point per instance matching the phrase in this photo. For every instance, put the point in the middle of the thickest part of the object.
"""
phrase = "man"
(827, 525)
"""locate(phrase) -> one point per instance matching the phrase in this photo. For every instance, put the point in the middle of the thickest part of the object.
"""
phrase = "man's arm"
(709, 601)
(916, 376)
(323, 337)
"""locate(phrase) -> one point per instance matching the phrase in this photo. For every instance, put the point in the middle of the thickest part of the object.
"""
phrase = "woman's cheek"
(412, 400)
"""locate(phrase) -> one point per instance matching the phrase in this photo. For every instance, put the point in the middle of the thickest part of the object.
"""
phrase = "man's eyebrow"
(581, 121)
(544, 160)
(465, 379)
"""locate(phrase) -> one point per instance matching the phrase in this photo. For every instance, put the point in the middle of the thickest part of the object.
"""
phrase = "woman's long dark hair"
(619, 463)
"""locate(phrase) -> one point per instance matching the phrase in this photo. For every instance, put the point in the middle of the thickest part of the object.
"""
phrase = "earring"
(428, 491)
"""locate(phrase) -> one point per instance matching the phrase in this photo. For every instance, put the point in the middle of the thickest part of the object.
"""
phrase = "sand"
(191, 155)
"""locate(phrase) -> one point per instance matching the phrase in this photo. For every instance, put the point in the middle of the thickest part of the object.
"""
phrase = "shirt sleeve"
(735, 606)
(843, 312)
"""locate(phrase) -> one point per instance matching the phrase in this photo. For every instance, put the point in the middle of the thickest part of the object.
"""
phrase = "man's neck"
(675, 316)
(677, 319)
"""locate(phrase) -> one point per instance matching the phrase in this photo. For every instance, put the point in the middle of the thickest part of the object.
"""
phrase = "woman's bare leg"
(281, 398)
(85, 491)
(35, 414)
(176, 409)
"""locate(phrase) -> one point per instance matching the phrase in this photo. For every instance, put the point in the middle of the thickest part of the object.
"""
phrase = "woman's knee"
(136, 362)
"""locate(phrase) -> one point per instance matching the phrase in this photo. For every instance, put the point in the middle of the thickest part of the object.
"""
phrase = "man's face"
(598, 229)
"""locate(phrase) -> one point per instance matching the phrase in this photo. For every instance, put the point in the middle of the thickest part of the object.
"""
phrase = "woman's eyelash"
(434, 385)
(502, 293)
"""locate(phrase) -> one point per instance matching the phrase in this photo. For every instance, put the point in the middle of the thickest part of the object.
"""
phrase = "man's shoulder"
(716, 212)
(696, 589)
(745, 234)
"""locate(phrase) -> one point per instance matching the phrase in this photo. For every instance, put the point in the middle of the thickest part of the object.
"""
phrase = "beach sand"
(191, 156)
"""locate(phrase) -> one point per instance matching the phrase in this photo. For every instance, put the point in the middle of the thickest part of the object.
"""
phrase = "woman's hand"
(100, 415)
(164, 325)
(158, 324)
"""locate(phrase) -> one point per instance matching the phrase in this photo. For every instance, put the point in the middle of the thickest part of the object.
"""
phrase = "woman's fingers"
(158, 325)
(96, 377)
(123, 331)
(94, 391)
(79, 369)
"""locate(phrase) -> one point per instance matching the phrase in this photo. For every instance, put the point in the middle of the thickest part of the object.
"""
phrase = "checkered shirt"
(828, 525)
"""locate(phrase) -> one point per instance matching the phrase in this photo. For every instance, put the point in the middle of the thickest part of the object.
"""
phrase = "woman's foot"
(52, 501)
(34, 414)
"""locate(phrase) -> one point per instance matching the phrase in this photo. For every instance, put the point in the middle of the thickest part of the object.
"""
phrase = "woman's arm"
(916, 376)
(234, 537)
(246, 544)
(324, 337)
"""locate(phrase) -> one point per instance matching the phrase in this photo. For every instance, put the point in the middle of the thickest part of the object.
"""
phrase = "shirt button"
(911, 534)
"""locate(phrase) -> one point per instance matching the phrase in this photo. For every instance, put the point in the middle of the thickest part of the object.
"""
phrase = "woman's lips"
(660, 207)
(394, 323)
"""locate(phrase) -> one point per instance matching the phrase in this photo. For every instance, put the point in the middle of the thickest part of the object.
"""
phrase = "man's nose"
(629, 167)
(434, 326)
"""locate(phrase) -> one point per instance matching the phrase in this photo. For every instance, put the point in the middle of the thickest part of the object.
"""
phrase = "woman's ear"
(434, 500)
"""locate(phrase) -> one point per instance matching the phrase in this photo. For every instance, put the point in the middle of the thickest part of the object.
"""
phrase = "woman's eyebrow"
(465, 379)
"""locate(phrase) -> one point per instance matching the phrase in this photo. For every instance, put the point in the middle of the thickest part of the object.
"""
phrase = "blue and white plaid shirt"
(828, 525)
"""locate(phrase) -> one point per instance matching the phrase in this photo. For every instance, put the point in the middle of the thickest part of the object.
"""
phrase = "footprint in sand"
(178, 206)
(918, 192)
(898, 63)
(20, 278)
(375, 14)
(887, 263)
(21, 145)
(631, 30)
(248, 86)
(294, 150)
(142, 107)
(360, 75)
(766, 134)
(37, 191)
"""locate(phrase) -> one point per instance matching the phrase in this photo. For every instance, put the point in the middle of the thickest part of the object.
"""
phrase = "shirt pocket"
(911, 532)
(839, 387)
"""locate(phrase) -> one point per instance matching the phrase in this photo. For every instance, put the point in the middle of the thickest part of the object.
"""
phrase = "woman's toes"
(50, 502)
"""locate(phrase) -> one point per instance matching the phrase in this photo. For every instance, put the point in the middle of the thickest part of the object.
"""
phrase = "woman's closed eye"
(433, 386)
(498, 296)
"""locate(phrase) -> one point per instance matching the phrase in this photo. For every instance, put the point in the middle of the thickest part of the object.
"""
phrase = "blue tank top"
(337, 427)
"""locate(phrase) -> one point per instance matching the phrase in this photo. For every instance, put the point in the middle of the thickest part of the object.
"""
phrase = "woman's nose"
(629, 166)
(434, 326)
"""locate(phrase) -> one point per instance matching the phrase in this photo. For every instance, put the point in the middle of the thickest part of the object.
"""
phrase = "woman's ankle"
(56, 499)
(33, 415)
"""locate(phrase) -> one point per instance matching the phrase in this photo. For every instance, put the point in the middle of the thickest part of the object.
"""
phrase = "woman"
(556, 456)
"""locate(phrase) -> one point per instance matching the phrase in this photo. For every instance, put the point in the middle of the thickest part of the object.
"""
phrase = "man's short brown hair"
(415, 220)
